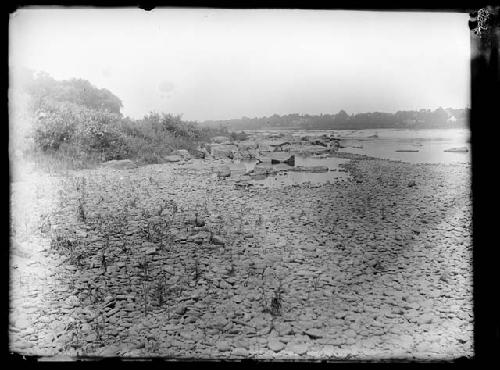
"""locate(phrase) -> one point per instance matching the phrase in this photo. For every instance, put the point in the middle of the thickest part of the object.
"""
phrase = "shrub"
(238, 136)
(87, 131)
(94, 131)
(75, 122)
(56, 125)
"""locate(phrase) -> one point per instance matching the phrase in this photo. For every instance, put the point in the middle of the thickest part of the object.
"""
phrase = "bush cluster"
(76, 120)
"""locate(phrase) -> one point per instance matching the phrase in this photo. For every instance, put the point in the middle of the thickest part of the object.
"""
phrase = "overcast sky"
(220, 64)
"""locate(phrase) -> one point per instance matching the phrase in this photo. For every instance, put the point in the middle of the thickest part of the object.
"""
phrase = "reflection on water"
(392, 144)
(292, 178)
(425, 134)
(430, 151)
(413, 146)
(286, 177)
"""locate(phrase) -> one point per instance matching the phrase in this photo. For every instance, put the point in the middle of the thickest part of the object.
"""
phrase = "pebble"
(110, 351)
(315, 333)
(223, 346)
(240, 352)
(350, 333)
(186, 335)
(23, 344)
(300, 348)
(22, 323)
(275, 345)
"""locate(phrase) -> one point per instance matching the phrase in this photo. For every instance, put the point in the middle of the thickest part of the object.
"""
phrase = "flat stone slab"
(309, 169)
(223, 171)
(298, 348)
(457, 150)
(121, 164)
(275, 345)
(220, 139)
(315, 333)
(223, 346)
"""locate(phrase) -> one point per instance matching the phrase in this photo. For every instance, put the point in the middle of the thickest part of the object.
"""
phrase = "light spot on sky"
(166, 86)
(220, 64)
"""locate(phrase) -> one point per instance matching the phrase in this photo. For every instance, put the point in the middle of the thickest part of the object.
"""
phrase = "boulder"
(172, 158)
(199, 154)
(258, 177)
(262, 170)
(298, 348)
(309, 169)
(272, 145)
(223, 171)
(223, 346)
(121, 164)
(238, 168)
(264, 159)
(276, 136)
(318, 141)
(240, 352)
(247, 145)
(182, 153)
(277, 157)
(290, 161)
(457, 150)
(249, 154)
(264, 147)
(220, 151)
(275, 345)
(315, 333)
(216, 240)
(199, 237)
(110, 351)
(313, 149)
(220, 139)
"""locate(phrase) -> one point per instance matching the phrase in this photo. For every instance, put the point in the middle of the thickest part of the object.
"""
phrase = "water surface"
(431, 144)
(286, 177)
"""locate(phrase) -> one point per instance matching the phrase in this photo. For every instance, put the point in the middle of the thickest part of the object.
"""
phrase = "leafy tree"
(83, 93)
(44, 90)
(341, 117)
(439, 116)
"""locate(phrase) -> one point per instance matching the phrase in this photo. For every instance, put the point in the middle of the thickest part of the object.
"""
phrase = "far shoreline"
(353, 129)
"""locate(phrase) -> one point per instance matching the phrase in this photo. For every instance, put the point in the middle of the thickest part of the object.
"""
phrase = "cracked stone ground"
(168, 260)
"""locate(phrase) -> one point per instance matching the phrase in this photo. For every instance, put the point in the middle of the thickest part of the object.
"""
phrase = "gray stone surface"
(369, 269)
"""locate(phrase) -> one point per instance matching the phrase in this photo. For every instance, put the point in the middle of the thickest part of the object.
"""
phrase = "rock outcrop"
(221, 151)
(120, 164)
(457, 150)
(172, 158)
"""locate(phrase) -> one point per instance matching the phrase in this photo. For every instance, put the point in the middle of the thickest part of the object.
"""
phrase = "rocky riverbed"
(170, 260)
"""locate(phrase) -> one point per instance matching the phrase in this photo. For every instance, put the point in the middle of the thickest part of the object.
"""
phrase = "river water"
(286, 177)
(426, 145)
(430, 145)
(412, 146)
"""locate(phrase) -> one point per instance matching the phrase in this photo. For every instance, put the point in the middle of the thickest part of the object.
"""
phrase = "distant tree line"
(423, 118)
